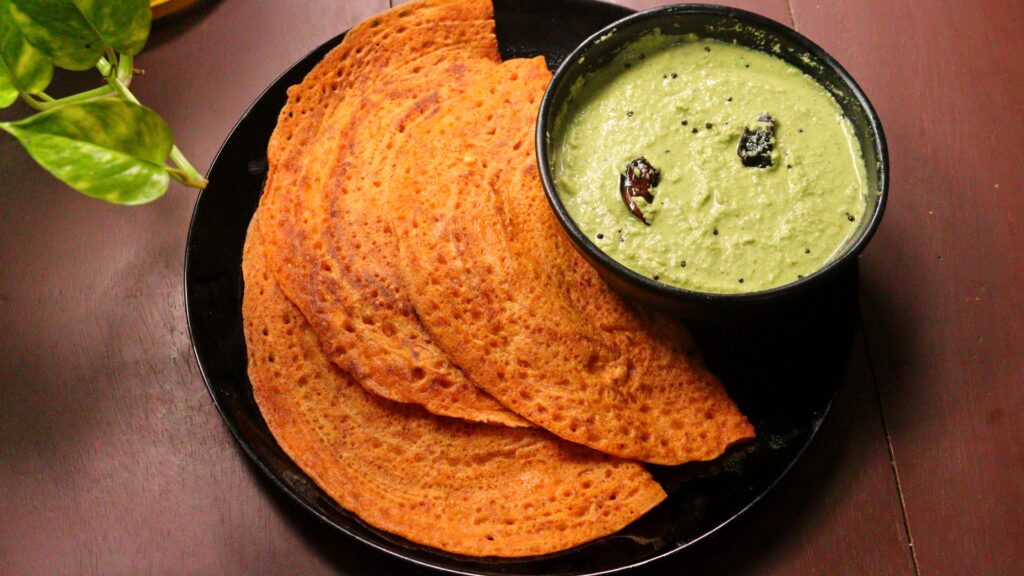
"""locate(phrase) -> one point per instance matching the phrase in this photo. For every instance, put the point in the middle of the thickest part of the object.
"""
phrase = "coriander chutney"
(708, 166)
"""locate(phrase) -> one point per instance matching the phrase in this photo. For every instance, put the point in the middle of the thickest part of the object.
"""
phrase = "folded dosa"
(326, 236)
(466, 488)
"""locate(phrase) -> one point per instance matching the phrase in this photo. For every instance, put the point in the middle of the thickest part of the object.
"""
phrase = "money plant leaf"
(106, 148)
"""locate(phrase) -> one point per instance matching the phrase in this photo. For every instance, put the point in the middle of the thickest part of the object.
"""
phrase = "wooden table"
(113, 460)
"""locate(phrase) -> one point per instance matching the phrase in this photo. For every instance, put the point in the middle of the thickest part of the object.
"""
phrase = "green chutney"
(715, 223)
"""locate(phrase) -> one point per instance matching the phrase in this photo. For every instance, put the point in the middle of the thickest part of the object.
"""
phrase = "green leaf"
(22, 67)
(8, 92)
(75, 33)
(106, 148)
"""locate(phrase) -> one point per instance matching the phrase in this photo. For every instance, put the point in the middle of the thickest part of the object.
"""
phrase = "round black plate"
(783, 376)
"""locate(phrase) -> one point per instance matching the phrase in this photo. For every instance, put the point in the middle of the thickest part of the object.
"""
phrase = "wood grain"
(113, 460)
(942, 281)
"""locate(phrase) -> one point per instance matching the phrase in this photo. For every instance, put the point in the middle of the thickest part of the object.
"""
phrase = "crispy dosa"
(327, 239)
(505, 295)
(465, 488)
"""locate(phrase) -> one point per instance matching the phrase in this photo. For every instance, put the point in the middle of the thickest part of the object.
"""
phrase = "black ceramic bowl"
(753, 31)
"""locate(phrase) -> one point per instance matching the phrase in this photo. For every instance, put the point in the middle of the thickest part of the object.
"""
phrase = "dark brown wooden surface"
(114, 461)
(941, 283)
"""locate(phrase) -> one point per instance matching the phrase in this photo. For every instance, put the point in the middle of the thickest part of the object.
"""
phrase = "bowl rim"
(662, 290)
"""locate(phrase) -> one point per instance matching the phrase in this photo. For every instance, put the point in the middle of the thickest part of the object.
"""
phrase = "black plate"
(783, 378)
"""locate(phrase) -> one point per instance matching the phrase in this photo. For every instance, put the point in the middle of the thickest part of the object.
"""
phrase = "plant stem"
(184, 172)
(124, 70)
(193, 178)
(45, 101)
(31, 101)
(82, 97)
(104, 66)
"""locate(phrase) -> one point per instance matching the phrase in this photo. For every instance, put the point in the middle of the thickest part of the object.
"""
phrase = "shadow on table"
(894, 338)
